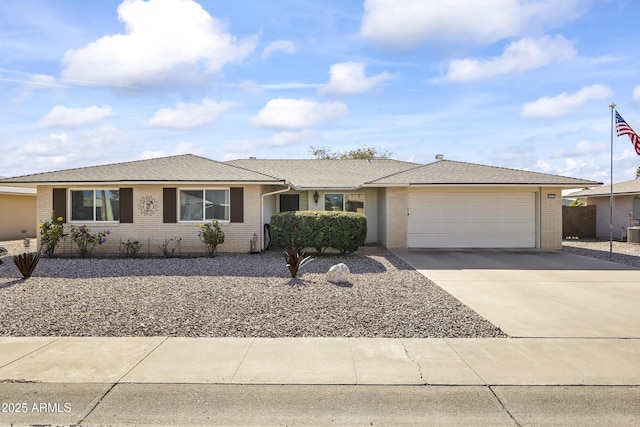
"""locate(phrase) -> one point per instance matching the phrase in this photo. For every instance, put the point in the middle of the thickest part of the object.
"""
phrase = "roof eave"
(472, 184)
(32, 184)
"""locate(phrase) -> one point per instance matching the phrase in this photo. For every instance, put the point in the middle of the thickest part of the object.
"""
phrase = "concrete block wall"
(150, 230)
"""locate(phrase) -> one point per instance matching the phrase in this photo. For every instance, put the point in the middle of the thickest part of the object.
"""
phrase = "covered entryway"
(471, 219)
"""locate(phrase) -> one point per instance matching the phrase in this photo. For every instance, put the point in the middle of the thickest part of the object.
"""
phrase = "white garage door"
(471, 220)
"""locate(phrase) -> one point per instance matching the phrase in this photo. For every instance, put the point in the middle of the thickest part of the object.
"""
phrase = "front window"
(95, 205)
(204, 205)
(351, 202)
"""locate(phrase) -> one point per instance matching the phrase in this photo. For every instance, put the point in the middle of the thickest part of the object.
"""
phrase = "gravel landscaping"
(232, 295)
(623, 252)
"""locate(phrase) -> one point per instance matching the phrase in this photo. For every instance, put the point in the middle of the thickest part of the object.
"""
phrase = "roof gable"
(183, 168)
(448, 172)
(620, 188)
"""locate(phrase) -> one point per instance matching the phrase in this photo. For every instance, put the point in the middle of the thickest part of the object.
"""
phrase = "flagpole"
(612, 106)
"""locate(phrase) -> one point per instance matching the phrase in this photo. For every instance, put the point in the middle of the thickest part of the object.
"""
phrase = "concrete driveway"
(538, 294)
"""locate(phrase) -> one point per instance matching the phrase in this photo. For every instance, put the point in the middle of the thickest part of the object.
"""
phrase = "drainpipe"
(262, 212)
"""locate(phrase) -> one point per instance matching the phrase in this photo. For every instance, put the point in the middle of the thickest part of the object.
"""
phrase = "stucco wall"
(622, 206)
(152, 232)
(17, 216)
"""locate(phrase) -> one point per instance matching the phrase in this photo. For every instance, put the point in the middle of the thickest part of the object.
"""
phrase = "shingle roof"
(456, 173)
(626, 187)
(300, 173)
(181, 168)
(334, 174)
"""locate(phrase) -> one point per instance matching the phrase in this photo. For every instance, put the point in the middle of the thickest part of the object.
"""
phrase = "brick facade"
(550, 218)
(149, 229)
(396, 220)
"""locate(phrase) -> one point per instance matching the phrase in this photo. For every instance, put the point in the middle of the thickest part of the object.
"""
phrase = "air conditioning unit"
(633, 235)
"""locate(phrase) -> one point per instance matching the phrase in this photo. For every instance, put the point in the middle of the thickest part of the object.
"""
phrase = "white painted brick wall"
(152, 232)
(551, 219)
(397, 204)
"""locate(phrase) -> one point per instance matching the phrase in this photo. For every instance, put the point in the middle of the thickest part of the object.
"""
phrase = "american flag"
(624, 129)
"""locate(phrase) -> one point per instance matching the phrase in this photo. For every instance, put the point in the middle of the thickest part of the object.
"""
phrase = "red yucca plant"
(26, 263)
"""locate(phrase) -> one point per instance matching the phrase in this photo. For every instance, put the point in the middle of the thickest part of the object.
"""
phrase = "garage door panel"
(482, 220)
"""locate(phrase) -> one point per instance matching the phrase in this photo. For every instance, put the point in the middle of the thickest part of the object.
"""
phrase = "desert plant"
(26, 263)
(169, 252)
(211, 235)
(85, 240)
(295, 260)
(130, 248)
(51, 232)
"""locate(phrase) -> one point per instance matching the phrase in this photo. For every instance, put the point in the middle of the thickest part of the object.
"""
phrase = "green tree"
(364, 152)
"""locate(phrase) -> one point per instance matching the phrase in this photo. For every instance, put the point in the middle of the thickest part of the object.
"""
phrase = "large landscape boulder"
(338, 273)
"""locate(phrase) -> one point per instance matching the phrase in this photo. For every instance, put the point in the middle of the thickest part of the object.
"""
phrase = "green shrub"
(344, 231)
(86, 240)
(211, 235)
(51, 232)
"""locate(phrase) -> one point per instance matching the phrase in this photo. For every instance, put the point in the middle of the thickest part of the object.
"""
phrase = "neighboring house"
(17, 213)
(626, 207)
(408, 205)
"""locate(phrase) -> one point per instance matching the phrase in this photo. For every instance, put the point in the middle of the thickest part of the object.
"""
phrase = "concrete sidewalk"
(319, 381)
(321, 361)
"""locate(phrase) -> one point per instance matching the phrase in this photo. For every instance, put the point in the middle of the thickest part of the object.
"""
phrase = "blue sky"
(516, 83)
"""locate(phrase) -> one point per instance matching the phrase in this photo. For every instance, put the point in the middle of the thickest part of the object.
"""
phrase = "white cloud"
(543, 166)
(61, 116)
(564, 103)
(189, 116)
(146, 155)
(284, 113)
(404, 24)
(291, 137)
(348, 78)
(285, 46)
(582, 148)
(163, 40)
(636, 95)
(524, 54)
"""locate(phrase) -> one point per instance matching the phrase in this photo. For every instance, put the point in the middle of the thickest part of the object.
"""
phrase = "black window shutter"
(169, 205)
(126, 205)
(60, 203)
(236, 202)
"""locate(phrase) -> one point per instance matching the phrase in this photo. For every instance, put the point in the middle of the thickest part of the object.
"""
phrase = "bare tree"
(364, 152)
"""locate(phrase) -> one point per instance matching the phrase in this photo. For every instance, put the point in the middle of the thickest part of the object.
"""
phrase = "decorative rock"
(338, 273)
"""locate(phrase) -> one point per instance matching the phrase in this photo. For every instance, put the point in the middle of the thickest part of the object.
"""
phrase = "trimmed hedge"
(344, 231)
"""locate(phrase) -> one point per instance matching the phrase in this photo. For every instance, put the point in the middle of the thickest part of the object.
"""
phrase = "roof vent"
(439, 157)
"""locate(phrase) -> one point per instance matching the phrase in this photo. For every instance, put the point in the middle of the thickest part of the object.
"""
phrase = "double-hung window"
(95, 205)
(204, 205)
